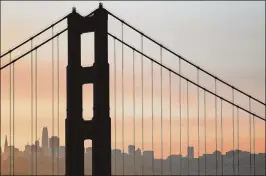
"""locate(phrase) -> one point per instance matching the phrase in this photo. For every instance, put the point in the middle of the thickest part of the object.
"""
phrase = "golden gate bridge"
(110, 87)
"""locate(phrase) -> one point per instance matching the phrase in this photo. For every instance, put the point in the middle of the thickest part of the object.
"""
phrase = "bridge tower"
(99, 128)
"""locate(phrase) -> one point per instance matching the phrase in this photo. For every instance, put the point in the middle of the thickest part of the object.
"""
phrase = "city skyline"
(135, 161)
(177, 152)
(190, 149)
(21, 137)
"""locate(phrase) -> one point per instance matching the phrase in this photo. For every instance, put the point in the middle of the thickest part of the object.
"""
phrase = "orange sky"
(22, 113)
(22, 86)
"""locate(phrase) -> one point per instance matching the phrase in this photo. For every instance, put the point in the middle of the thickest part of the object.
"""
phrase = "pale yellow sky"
(217, 36)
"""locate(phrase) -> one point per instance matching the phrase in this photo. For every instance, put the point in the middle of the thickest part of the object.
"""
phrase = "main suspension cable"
(35, 48)
(34, 36)
(192, 82)
(180, 57)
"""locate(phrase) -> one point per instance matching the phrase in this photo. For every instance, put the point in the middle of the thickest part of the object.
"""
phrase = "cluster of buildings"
(232, 162)
(50, 146)
(135, 161)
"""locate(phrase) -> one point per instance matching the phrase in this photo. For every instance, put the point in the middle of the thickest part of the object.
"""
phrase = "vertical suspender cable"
(254, 147)
(233, 120)
(134, 108)
(114, 172)
(58, 82)
(31, 68)
(115, 99)
(198, 125)
(180, 120)
(53, 145)
(216, 163)
(0, 106)
(123, 138)
(36, 108)
(13, 113)
(161, 113)
(188, 126)
(10, 112)
(222, 137)
(205, 146)
(238, 141)
(142, 166)
(170, 94)
(250, 137)
(152, 115)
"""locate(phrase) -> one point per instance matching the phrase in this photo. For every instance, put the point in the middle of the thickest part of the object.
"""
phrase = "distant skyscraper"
(45, 137)
(190, 152)
(54, 143)
(131, 150)
(138, 152)
(28, 148)
(116, 151)
(6, 146)
(148, 157)
(37, 143)
(148, 154)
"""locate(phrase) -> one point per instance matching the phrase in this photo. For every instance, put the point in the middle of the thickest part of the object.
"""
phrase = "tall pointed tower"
(6, 146)
(45, 137)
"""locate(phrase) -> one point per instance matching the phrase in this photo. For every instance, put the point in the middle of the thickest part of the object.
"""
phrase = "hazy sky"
(225, 38)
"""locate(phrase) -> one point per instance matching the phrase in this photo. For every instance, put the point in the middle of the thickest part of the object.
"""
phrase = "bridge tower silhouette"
(99, 128)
